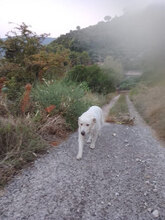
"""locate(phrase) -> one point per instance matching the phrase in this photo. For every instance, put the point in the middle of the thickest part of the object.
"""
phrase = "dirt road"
(123, 178)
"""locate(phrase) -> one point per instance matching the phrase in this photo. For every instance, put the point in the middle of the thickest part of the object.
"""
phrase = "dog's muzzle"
(83, 133)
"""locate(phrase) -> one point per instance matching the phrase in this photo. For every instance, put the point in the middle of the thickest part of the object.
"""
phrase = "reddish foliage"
(50, 108)
(2, 82)
(28, 87)
(54, 143)
(26, 98)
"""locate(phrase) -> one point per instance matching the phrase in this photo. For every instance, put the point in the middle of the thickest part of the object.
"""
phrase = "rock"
(149, 210)
(155, 190)
(138, 160)
(147, 182)
(155, 213)
(145, 194)
(114, 134)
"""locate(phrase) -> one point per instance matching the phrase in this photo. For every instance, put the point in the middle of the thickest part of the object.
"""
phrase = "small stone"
(138, 160)
(145, 194)
(155, 213)
(108, 156)
(114, 134)
(155, 190)
(102, 202)
(116, 194)
(147, 182)
(149, 210)
(126, 141)
(109, 204)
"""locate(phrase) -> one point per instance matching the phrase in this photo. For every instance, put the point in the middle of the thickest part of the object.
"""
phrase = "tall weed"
(68, 99)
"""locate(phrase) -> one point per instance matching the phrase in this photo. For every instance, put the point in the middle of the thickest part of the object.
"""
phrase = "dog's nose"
(83, 133)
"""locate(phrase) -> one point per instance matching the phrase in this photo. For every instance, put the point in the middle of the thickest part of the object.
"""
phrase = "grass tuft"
(119, 113)
(19, 146)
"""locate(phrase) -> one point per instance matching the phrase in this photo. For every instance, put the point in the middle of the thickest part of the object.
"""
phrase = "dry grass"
(150, 103)
(19, 146)
(120, 113)
(54, 129)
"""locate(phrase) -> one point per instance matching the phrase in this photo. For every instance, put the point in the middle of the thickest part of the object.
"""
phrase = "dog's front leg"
(81, 145)
(89, 139)
(94, 138)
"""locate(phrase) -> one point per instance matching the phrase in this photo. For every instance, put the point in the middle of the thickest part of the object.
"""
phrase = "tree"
(78, 28)
(107, 18)
(21, 44)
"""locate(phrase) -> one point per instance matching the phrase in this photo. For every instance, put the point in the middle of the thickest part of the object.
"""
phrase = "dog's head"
(86, 124)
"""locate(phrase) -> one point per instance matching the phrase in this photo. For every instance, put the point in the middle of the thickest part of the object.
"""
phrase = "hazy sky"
(60, 16)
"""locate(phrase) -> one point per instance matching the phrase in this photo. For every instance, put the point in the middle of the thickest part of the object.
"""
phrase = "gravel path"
(123, 178)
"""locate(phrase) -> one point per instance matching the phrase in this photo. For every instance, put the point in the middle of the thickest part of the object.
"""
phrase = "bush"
(19, 145)
(129, 83)
(96, 79)
(68, 99)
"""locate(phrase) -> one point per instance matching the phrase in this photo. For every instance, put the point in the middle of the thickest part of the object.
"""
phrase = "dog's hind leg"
(80, 147)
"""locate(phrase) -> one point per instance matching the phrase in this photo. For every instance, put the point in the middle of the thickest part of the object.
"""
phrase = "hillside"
(131, 38)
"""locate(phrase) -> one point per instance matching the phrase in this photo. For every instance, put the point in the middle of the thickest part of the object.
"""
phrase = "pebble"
(155, 190)
(155, 213)
(138, 160)
(109, 204)
(116, 194)
(149, 210)
(114, 134)
(147, 182)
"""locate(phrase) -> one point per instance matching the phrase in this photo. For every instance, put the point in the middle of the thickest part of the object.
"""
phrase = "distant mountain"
(48, 40)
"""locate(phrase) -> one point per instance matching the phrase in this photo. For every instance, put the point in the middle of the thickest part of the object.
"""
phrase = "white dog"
(90, 123)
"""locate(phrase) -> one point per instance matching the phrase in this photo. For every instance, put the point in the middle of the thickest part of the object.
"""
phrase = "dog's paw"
(79, 157)
(92, 146)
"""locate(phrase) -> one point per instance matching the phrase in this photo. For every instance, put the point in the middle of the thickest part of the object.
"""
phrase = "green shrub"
(129, 83)
(96, 78)
(68, 99)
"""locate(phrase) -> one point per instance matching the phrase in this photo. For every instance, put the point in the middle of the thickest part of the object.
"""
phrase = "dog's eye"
(87, 124)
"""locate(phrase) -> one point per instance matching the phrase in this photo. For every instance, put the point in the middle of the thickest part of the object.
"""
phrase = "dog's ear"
(78, 120)
(94, 120)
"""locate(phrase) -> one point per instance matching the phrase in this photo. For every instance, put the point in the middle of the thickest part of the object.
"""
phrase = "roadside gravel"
(123, 178)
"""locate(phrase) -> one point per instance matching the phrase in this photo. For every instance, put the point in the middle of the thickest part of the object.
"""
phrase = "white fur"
(90, 123)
